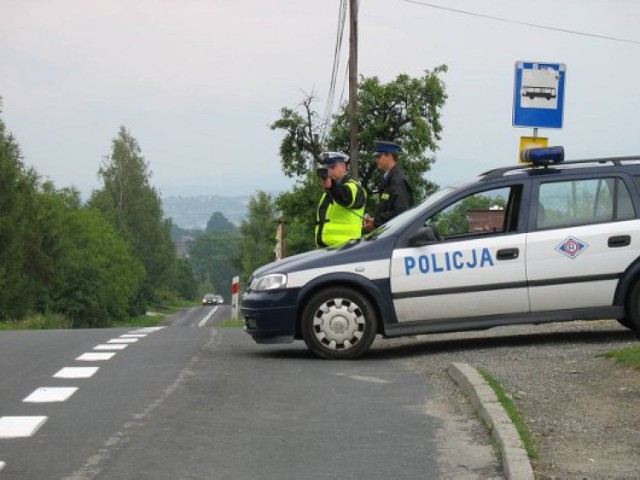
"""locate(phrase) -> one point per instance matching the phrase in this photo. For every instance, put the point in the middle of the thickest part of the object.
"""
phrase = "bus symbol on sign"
(539, 92)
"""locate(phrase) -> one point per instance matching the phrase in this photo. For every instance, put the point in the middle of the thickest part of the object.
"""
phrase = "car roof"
(571, 165)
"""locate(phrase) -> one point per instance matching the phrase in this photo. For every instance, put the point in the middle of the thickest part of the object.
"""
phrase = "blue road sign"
(538, 95)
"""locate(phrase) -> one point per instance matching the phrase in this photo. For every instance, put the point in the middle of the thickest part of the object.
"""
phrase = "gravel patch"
(582, 410)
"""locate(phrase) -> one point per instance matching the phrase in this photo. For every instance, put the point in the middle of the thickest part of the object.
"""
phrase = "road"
(192, 401)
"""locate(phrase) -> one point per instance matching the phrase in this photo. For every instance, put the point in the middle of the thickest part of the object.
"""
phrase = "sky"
(198, 82)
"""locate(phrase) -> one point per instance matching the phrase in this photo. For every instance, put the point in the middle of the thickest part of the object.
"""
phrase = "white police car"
(555, 241)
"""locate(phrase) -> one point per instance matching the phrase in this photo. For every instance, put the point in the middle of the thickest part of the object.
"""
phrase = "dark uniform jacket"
(396, 196)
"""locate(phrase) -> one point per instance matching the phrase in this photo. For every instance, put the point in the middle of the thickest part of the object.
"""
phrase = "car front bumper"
(270, 316)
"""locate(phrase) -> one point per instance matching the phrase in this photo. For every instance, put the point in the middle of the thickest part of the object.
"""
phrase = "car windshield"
(395, 224)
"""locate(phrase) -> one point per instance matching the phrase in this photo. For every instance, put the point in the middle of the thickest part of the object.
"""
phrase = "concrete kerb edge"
(515, 461)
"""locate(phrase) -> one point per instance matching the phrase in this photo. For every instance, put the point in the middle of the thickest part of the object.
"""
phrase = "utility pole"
(353, 88)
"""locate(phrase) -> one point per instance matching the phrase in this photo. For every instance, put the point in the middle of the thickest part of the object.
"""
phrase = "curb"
(515, 461)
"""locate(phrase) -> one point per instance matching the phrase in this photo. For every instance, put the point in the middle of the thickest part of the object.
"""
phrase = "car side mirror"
(423, 236)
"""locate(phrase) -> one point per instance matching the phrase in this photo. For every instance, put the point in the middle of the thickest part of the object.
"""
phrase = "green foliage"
(18, 186)
(136, 210)
(406, 110)
(299, 212)
(219, 223)
(183, 280)
(213, 259)
(38, 322)
(455, 219)
(258, 234)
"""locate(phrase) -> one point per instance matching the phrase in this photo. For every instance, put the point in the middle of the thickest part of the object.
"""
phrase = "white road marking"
(50, 394)
(123, 340)
(20, 427)
(2, 464)
(133, 335)
(147, 330)
(96, 357)
(76, 372)
(363, 378)
(207, 317)
(113, 346)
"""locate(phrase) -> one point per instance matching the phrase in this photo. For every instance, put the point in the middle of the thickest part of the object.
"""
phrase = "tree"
(213, 257)
(406, 110)
(134, 206)
(258, 234)
(18, 186)
(219, 223)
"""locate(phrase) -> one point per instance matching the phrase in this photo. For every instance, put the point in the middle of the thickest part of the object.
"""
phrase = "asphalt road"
(192, 401)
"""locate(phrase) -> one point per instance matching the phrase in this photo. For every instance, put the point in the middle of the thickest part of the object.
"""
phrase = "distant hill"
(194, 212)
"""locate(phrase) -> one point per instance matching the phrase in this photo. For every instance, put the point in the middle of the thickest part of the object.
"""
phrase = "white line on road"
(363, 378)
(147, 330)
(208, 316)
(2, 464)
(133, 335)
(50, 394)
(113, 346)
(76, 372)
(20, 427)
(95, 357)
(123, 340)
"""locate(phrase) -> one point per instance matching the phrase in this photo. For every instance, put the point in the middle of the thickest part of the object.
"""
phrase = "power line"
(517, 22)
(342, 13)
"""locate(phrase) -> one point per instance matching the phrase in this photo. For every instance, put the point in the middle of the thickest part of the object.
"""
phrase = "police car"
(546, 242)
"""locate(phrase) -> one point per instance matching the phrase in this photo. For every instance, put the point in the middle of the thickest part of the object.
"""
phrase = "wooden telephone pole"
(353, 88)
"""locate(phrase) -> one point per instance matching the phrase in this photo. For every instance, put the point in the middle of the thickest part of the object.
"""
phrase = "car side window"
(487, 212)
(582, 202)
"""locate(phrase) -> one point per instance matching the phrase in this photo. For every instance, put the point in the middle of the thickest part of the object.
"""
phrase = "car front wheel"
(339, 323)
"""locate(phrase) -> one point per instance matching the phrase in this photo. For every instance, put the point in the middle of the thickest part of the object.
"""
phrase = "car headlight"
(273, 281)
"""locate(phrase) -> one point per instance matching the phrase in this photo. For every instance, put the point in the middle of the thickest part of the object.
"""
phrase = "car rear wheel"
(632, 314)
(339, 323)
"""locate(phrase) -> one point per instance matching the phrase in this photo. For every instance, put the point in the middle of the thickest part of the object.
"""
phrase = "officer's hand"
(368, 223)
(326, 182)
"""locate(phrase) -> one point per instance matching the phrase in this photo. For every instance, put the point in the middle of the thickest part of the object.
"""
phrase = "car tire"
(339, 323)
(632, 314)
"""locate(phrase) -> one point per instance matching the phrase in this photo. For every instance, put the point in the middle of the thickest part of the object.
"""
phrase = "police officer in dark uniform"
(396, 194)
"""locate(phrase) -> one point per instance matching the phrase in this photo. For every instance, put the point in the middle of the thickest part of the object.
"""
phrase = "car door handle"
(507, 254)
(619, 241)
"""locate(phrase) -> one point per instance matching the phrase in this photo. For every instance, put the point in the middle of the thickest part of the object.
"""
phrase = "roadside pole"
(235, 290)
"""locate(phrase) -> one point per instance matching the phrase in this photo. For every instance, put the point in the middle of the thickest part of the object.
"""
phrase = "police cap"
(329, 158)
(386, 147)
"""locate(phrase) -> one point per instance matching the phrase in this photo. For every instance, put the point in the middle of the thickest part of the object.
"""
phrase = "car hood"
(358, 250)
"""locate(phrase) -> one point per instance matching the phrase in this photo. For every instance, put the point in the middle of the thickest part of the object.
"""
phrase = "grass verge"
(514, 414)
(629, 357)
(37, 322)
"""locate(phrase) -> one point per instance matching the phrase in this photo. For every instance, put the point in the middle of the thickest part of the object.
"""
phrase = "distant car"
(209, 299)
(212, 299)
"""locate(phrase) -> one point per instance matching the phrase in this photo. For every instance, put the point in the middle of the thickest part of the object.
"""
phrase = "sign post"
(538, 95)
(538, 100)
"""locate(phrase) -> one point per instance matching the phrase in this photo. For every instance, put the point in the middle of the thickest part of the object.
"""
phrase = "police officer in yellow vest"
(341, 208)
